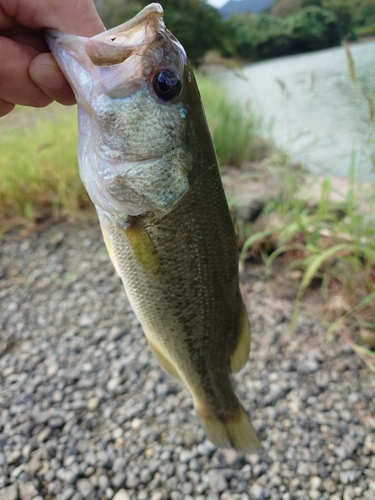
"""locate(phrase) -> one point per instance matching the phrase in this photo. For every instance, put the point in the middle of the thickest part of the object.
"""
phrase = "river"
(312, 109)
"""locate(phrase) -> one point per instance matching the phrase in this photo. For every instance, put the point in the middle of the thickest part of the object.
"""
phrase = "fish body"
(148, 163)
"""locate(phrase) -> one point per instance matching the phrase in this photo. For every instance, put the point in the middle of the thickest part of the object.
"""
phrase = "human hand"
(29, 75)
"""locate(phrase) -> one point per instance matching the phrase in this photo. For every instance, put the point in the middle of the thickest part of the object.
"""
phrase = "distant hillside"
(242, 6)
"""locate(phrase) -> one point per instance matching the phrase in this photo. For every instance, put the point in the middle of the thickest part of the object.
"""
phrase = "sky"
(217, 3)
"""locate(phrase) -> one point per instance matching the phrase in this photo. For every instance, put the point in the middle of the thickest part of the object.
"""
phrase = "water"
(312, 109)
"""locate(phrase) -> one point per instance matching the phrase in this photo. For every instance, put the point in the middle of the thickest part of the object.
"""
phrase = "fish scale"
(148, 162)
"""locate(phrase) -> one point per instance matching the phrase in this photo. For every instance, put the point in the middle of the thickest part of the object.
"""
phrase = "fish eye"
(166, 84)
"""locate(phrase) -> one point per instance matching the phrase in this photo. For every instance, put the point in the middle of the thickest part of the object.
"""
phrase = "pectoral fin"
(143, 247)
(241, 353)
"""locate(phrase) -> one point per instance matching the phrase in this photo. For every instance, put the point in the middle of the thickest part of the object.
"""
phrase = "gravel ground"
(86, 412)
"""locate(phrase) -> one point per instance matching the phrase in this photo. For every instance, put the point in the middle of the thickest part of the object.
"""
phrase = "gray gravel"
(86, 412)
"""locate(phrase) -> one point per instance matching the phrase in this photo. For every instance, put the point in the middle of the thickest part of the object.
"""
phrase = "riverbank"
(86, 412)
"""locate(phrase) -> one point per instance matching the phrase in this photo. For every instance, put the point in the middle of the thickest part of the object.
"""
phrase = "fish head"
(137, 97)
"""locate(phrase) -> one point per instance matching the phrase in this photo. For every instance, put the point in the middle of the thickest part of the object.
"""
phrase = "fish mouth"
(115, 61)
(114, 46)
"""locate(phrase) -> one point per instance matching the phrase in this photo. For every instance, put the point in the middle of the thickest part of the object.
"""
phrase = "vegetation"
(289, 27)
(262, 36)
(197, 25)
(326, 245)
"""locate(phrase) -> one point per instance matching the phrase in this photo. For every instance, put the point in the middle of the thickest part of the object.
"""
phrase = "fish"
(148, 163)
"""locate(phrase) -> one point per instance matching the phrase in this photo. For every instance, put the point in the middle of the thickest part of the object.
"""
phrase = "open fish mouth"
(119, 58)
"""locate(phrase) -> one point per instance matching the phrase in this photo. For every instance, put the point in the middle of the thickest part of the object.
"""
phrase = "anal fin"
(241, 353)
(161, 358)
(108, 244)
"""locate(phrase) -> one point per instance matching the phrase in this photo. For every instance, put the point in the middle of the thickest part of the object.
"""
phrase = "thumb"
(45, 73)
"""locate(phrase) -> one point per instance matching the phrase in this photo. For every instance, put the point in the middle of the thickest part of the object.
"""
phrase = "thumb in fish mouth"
(45, 72)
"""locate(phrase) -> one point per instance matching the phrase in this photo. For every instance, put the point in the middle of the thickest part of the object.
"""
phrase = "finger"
(16, 85)
(45, 73)
(5, 107)
(78, 17)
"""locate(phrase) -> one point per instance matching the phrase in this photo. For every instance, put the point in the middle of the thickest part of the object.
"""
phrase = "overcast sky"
(217, 3)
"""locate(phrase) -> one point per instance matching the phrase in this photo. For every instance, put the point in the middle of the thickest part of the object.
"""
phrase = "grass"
(38, 165)
(233, 127)
(330, 244)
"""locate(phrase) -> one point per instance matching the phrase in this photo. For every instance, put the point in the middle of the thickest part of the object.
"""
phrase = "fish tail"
(237, 432)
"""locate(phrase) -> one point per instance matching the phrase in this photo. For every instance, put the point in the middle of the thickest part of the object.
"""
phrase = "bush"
(313, 29)
(262, 36)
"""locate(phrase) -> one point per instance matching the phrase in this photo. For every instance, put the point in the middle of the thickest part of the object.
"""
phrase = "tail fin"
(238, 433)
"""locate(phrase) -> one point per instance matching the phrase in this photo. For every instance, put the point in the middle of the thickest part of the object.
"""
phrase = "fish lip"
(154, 9)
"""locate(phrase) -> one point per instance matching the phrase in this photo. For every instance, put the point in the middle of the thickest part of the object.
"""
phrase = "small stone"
(307, 366)
(119, 479)
(185, 456)
(176, 495)
(52, 369)
(349, 493)
(213, 496)
(93, 403)
(109, 493)
(315, 495)
(56, 422)
(66, 494)
(13, 457)
(258, 493)
(44, 434)
(103, 482)
(9, 493)
(121, 495)
(132, 480)
(340, 452)
(27, 491)
(84, 487)
(328, 485)
(232, 458)
(315, 483)
(217, 481)
(162, 390)
(119, 464)
(350, 476)
(303, 469)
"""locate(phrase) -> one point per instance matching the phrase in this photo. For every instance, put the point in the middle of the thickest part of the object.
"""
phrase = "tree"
(197, 25)
(313, 29)
(259, 36)
(344, 12)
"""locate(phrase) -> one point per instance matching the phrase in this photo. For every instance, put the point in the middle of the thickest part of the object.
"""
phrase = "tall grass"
(38, 164)
(327, 242)
(234, 128)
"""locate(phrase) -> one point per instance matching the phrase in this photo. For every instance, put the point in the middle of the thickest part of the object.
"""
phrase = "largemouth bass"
(148, 163)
